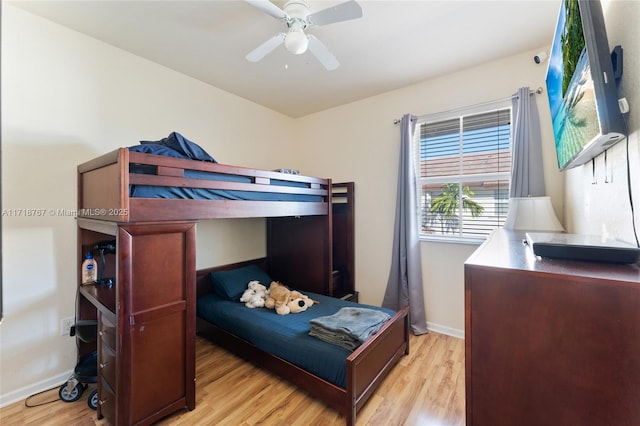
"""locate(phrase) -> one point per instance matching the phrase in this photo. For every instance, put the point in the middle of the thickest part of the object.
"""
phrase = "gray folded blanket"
(349, 327)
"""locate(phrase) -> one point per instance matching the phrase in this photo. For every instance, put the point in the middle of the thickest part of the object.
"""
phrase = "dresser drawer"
(107, 332)
(107, 365)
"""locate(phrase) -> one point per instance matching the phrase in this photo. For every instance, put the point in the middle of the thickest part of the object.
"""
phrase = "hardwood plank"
(425, 388)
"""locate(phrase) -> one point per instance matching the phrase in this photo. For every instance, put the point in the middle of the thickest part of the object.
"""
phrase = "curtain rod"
(531, 92)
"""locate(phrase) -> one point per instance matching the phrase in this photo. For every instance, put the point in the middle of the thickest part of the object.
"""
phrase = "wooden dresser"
(549, 342)
(146, 319)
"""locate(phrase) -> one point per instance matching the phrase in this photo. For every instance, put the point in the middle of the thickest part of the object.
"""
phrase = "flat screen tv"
(581, 87)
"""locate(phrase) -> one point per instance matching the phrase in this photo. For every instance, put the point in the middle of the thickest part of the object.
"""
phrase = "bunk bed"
(150, 203)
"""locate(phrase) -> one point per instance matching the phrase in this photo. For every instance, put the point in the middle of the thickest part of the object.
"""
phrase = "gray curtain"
(527, 176)
(404, 286)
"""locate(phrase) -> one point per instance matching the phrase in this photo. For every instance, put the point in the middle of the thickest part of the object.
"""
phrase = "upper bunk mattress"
(181, 192)
(286, 336)
(150, 191)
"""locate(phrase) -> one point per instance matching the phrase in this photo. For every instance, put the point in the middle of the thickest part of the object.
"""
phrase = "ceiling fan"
(296, 15)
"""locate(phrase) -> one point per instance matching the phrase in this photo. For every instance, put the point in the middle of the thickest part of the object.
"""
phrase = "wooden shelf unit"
(146, 319)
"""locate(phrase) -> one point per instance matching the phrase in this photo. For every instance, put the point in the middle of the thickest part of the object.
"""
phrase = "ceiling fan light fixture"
(297, 17)
(296, 41)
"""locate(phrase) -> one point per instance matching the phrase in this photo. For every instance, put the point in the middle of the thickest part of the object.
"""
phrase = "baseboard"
(437, 328)
(23, 393)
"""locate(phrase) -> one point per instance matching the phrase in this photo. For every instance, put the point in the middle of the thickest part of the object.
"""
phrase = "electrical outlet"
(65, 325)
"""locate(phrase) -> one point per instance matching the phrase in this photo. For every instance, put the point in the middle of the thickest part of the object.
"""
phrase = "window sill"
(450, 240)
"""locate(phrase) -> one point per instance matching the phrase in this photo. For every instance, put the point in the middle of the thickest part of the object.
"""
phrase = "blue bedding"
(149, 191)
(177, 146)
(286, 336)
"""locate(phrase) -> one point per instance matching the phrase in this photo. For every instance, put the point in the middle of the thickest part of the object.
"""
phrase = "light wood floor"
(426, 389)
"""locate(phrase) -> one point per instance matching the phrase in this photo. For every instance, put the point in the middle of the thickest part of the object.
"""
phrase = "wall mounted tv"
(581, 86)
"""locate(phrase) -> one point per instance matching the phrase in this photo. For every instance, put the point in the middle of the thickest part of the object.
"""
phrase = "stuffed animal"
(255, 295)
(299, 302)
(285, 301)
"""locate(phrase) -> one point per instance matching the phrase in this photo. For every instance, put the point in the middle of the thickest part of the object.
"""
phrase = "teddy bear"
(285, 301)
(255, 295)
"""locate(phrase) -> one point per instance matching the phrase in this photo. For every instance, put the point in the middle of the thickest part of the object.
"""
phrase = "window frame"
(487, 107)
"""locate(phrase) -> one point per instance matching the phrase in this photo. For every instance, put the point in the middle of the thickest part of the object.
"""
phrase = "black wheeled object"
(86, 371)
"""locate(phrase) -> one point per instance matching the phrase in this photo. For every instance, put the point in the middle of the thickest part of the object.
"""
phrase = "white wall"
(67, 98)
(603, 208)
(359, 142)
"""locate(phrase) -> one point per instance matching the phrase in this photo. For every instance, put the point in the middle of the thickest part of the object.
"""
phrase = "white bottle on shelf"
(89, 269)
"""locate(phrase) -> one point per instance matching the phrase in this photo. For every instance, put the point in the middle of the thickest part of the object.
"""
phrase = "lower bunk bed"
(341, 378)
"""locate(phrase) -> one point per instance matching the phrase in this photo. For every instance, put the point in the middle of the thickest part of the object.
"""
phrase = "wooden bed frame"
(103, 190)
(366, 367)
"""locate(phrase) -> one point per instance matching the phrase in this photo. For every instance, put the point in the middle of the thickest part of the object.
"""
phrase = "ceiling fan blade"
(322, 54)
(342, 12)
(261, 51)
(269, 8)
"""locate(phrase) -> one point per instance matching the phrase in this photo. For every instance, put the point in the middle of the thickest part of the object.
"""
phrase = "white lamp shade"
(532, 214)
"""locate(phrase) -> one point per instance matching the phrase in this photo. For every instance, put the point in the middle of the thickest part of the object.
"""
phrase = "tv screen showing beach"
(570, 87)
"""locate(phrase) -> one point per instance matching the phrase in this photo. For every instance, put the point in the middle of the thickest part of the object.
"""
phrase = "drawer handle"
(103, 365)
(102, 401)
(101, 333)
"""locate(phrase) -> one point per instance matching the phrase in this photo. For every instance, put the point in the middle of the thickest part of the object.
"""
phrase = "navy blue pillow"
(179, 143)
(232, 283)
(157, 149)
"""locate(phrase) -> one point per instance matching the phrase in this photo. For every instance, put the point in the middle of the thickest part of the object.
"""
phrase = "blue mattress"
(177, 146)
(148, 191)
(286, 336)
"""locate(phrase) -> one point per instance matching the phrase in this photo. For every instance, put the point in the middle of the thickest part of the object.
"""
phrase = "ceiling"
(394, 44)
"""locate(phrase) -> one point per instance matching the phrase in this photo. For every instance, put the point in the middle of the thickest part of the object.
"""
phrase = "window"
(464, 167)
